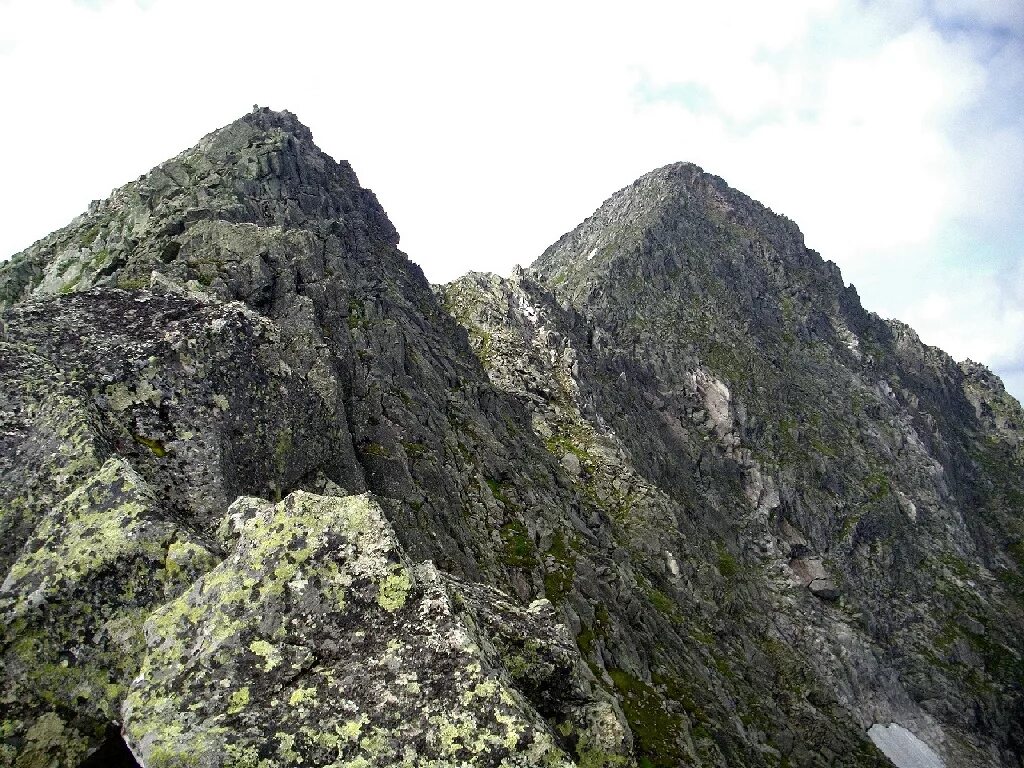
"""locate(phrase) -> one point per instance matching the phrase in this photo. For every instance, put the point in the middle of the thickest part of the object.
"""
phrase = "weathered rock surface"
(317, 642)
(73, 604)
(670, 497)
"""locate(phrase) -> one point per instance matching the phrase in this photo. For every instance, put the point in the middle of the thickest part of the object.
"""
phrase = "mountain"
(670, 496)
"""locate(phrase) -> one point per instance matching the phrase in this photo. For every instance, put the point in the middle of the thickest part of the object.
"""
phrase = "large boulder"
(317, 642)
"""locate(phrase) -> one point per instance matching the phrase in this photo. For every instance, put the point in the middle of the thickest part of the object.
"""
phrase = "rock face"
(670, 497)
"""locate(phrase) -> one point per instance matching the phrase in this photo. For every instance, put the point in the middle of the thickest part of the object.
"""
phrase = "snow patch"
(590, 255)
(902, 747)
(531, 312)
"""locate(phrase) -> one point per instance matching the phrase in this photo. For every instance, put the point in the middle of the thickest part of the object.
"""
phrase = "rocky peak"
(262, 169)
(267, 119)
(860, 426)
(654, 227)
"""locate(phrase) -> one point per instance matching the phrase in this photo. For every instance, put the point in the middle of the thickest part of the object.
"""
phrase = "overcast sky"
(892, 133)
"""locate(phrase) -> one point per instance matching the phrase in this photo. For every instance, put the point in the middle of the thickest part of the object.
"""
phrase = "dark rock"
(826, 589)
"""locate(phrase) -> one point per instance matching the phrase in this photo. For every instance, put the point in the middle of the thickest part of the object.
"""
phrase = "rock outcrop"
(317, 642)
(669, 497)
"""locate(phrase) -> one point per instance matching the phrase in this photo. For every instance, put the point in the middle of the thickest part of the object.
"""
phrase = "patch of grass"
(356, 312)
(559, 580)
(89, 236)
(69, 287)
(956, 565)
(656, 731)
(726, 361)
(662, 602)
(849, 524)
(728, 565)
(518, 550)
(375, 449)
(414, 450)
(1016, 550)
(559, 445)
(789, 448)
(134, 283)
(877, 486)
(497, 491)
(585, 640)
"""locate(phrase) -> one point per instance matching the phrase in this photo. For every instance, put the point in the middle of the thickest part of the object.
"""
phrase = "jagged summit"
(259, 121)
(266, 118)
(261, 169)
(681, 265)
(678, 204)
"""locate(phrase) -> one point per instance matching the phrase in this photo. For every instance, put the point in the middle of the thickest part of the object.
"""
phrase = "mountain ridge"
(691, 503)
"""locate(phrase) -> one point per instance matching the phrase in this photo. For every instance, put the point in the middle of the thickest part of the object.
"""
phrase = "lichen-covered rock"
(169, 382)
(48, 441)
(543, 662)
(72, 608)
(317, 642)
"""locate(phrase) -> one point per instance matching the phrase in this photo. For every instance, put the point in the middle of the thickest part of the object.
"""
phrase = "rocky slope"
(670, 497)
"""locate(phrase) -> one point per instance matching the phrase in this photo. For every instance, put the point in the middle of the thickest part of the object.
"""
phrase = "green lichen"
(394, 590)
(302, 696)
(119, 397)
(351, 730)
(239, 700)
(244, 756)
(286, 748)
(261, 639)
(186, 560)
(268, 651)
(590, 751)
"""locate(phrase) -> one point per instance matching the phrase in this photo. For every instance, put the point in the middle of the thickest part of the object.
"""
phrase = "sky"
(891, 132)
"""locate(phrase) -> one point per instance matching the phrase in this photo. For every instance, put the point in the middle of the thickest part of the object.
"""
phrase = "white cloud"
(972, 321)
(891, 132)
